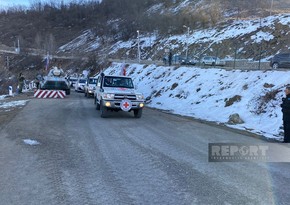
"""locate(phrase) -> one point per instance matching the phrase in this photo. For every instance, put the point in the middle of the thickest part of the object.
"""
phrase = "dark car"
(281, 60)
(182, 60)
(56, 84)
(187, 61)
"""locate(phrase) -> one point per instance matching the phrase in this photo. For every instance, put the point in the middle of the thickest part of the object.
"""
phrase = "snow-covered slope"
(245, 35)
(214, 94)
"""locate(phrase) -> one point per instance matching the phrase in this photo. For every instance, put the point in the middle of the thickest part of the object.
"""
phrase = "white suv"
(90, 86)
(80, 85)
(211, 60)
(116, 93)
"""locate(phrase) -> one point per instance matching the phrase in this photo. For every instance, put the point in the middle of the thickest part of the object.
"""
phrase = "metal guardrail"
(230, 65)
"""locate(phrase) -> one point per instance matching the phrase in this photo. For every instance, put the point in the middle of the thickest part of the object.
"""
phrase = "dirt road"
(59, 151)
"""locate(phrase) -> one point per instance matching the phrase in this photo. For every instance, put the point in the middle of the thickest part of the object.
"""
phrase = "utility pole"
(271, 8)
(260, 50)
(138, 41)
(7, 62)
(18, 45)
(17, 49)
(187, 39)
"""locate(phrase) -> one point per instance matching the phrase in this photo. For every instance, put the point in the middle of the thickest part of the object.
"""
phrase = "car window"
(110, 81)
(92, 81)
(82, 81)
(284, 55)
(55, 85)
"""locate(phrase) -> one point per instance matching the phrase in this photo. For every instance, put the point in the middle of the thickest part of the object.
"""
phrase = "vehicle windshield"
(92, 80)
(82, 81)
(73, 79)
(123, 82)
(54, 85)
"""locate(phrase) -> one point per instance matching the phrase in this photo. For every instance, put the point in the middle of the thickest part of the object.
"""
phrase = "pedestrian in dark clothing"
(286, 115)
(38, 79)
(170, 58)
(20, 82)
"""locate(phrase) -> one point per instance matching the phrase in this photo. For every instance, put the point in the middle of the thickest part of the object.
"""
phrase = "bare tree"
(38, 41)
(50, 44)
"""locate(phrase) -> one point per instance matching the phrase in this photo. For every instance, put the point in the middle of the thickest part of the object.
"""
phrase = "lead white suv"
(117, 93)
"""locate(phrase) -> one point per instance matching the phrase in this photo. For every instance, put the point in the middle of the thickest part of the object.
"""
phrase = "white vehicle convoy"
(116, 93)
(90, 86)
(80, 85)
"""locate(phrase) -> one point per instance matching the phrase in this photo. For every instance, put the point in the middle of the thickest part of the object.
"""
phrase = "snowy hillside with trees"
(215, 94)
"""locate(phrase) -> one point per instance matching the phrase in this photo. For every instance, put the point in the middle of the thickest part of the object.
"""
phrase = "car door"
(284, 60)
(287, 60)
(98, 87)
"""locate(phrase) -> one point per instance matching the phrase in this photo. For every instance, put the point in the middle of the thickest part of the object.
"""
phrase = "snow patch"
(2, 97)
(31, 142)
(13, 104)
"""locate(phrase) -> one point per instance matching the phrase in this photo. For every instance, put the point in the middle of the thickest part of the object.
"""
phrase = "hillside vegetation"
(75, 29)
(48, 26)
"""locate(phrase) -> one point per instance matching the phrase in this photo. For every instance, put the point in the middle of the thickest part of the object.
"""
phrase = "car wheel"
(97, 104)
(138, 113)
(67, 92)
(275, 65)
(103, 110)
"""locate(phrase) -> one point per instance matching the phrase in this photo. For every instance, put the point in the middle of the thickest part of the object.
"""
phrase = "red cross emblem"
(126, 105)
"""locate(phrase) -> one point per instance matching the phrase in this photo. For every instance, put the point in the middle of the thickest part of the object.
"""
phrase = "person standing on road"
(286, 115)
(170, 58)
(20, 82)
(38, 79)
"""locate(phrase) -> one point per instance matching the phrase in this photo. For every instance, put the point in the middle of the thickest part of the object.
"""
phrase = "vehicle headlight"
(108, 96)
(139, 97)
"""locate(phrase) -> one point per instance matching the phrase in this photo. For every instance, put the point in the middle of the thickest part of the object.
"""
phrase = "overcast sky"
(6, 3)
(14, 2)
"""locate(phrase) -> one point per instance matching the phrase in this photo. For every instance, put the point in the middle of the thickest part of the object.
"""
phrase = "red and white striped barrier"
(49, 94)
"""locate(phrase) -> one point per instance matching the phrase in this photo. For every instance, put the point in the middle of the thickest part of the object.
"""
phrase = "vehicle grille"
(121, 97)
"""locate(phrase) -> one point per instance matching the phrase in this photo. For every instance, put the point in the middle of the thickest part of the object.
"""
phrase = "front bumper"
(91, 92)
(116, 104)
(80, 89)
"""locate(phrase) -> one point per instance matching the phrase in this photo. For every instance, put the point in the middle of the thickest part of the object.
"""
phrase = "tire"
(103, 110)
(67, 92)
(97, 104)
(275, 65)
(138, 113)
(98, 107)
